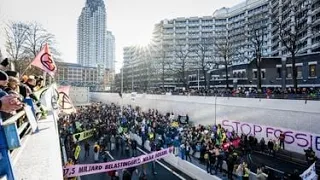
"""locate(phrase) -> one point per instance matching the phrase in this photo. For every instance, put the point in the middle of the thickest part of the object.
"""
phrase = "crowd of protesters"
(274, 93)
(16, 90)
(211, 145)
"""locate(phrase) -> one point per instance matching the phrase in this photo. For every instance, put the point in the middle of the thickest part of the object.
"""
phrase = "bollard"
(5, 162)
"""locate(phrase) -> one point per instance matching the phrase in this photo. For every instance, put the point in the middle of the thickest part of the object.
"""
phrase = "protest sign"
(310, 173)
(234, 143)
(31, 118)
(294, 140)
(85, 169)
(83, 135)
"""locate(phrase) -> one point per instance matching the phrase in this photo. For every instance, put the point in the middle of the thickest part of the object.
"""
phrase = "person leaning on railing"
(27, 89)
(8, 102)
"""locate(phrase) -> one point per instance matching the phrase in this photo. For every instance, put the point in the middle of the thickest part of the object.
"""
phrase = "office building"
(111, 51)
(237, 31)
(92, 34)
(97, 79)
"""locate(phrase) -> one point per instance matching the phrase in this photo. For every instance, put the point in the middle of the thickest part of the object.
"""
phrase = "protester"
(211, 144)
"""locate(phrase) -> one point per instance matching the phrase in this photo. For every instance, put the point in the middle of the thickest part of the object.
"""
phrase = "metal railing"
(22, 123)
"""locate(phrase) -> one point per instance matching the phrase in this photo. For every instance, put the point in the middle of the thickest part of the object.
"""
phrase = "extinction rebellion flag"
(64, 100)
(44, 61)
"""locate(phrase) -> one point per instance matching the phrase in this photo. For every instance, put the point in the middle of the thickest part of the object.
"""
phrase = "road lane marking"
(167, 168)
(110, 155)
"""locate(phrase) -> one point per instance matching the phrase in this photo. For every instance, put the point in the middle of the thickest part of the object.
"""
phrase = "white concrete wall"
(79, 95)
(290, 114)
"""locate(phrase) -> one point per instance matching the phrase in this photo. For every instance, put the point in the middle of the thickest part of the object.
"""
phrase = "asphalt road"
(162, 173)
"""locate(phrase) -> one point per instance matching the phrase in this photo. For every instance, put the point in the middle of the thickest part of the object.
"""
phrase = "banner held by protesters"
(310, 173)
(85, 169)
(83, 135)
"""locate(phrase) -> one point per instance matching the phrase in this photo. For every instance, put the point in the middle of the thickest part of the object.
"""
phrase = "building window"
(243, 75)
(299, 71)
(263, 74)
(279, 73)
(255, 74)
(312, 70)
(289, 72)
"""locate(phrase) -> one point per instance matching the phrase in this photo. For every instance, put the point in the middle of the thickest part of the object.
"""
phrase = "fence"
(23, 129)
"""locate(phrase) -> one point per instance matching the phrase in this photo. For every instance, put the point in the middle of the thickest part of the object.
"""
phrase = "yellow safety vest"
(77, 152)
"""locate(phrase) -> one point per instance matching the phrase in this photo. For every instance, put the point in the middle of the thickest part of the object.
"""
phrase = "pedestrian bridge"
(39, 156)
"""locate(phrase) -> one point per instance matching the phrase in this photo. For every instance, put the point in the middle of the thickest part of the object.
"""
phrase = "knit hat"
(4, 62)
(3, 76)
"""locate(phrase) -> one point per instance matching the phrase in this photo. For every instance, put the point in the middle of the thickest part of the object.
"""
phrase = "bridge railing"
(23, 128)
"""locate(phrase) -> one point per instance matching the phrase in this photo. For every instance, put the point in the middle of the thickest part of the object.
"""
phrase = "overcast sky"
(131, 21)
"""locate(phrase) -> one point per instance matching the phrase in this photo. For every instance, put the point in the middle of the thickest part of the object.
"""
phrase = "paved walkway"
(39, 158)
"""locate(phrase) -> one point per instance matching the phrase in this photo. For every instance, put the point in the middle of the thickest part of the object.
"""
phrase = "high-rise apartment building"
(92, 34)
(111, 51)
(239, 28)
(301, 18)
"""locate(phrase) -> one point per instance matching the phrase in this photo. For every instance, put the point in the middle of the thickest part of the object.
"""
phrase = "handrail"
(14, 118)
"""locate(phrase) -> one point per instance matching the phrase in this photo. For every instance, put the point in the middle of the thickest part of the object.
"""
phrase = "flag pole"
(25, 70)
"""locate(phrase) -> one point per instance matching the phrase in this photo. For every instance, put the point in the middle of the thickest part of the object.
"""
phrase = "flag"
(44, 61)
(64, 100)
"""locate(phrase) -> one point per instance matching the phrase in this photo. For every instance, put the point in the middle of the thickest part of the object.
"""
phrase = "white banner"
(32, 120)
(296, 141)
(310, 173)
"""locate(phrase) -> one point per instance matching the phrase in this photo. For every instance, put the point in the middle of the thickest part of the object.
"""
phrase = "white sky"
(131, 21)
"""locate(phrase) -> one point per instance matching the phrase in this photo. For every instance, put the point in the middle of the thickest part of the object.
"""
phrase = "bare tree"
(225, 52)
(181, 63)
(291, 25)
(159, 50)
(204, 52)
(256, 32)
(36, 38)
(23, 43)
(16, 35)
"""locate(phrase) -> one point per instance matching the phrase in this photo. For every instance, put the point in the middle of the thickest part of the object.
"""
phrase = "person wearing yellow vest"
(77, 152)
(246, 171)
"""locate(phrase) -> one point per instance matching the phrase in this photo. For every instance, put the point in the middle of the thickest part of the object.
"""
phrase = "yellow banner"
(83, 135)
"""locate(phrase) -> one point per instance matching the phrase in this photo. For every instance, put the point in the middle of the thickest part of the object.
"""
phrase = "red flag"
(44, 61)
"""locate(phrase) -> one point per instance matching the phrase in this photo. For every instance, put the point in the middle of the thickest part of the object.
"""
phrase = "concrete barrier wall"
(291, 114)
(79, 95)
(188, 168)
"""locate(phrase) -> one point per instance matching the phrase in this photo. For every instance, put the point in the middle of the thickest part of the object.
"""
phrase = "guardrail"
(22, 123)
(23, 128)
